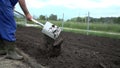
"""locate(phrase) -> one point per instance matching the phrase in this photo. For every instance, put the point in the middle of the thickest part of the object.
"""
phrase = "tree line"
(96, 20)
(84, 19)
(80, 19)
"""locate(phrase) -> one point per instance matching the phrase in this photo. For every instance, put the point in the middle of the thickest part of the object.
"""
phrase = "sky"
(73, 8)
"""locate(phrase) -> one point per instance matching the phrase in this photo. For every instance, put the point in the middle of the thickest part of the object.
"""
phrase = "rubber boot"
(2, 48)
(11, 52)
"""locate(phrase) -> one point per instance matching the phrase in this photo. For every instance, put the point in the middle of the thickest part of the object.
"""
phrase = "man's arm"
(25, 10)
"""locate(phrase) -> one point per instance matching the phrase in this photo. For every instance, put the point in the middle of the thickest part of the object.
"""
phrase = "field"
(96, 29)
(97, 26)
(77, 50)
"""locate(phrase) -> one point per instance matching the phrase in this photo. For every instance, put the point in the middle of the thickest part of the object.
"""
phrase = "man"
(8, 27)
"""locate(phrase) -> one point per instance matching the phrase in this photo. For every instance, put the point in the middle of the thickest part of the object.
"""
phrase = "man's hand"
(28, 17)
(25, 10)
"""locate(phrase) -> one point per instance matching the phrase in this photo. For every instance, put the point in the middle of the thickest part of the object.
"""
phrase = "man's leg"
(2, 48)
(11, 52)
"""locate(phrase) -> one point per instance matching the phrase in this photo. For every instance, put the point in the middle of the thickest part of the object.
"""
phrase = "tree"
(53, 17)
(78, 19)
(117, 20)
(42, 17)
(60, 19)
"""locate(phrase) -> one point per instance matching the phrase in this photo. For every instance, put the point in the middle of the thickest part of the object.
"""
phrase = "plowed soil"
(77, 51)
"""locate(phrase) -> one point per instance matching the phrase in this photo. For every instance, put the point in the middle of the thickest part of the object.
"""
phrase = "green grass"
(94, 33)
(93, 26)
(105, 27)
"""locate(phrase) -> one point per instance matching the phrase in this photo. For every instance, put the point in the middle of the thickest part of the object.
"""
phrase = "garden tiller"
(48, 28)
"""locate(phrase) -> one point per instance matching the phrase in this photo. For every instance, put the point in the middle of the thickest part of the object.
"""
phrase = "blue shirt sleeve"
(8, 3)
(13, 2)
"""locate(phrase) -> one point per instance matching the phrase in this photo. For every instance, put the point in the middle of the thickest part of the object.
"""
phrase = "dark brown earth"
(77, 51)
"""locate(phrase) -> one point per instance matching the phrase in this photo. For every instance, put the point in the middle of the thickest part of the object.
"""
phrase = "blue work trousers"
(7, 22)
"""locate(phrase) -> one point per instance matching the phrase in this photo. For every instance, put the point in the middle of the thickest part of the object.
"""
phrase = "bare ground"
(77, 51)
(9, 63)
